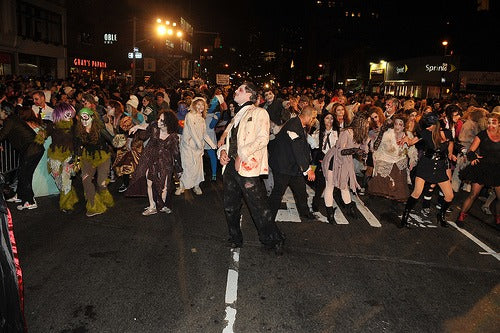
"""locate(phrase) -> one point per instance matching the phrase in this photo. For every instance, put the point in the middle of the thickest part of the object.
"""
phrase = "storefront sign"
(110, 38)
(440, 68)
(89, 63)
(401, 69)
(427, 70)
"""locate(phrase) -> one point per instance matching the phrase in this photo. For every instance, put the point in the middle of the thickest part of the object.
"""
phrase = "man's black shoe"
(309, 217)
(234, 245)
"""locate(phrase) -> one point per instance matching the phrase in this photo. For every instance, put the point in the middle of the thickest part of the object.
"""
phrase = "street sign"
(136, 53)
(222, 79)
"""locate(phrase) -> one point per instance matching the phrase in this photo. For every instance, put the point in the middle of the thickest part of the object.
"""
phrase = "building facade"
(33, 38)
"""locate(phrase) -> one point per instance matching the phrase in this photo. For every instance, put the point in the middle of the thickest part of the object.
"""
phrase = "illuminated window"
(346, 13)
(359, 14)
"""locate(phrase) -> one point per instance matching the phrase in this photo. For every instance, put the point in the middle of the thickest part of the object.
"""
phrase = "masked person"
(158, 163)
(244, 157)
(94, 150)
(60, 154)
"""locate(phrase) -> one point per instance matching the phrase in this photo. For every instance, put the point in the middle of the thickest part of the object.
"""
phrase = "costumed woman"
(192, 145)
(338, 164)
(94, 150)
(60, 154)
(128, 152)
(393, 161)
(328, 136)
(159, 162)
(484, 157)
(377, 119)
(431, 167)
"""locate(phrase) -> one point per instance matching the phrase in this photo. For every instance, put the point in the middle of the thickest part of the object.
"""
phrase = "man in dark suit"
(290, 158)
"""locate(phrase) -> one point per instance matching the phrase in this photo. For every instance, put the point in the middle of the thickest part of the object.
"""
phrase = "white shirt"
(46, 111)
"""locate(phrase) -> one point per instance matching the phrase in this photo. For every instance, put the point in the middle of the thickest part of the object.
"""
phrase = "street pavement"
(124, 272)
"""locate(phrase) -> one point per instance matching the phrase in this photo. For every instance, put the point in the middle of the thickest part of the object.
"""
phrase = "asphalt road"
(124, 272)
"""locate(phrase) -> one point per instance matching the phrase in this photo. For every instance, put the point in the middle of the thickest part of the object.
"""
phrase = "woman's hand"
(476, 161)
(133, 129)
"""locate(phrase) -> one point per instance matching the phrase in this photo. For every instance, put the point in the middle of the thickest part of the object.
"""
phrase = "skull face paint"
(86, 120)
(68, 115)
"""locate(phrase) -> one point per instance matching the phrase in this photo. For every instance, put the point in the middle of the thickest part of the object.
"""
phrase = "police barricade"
(9, 158)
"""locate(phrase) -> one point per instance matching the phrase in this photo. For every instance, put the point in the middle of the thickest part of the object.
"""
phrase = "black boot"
(315, 204)
(330, 214)
(410, 203)
(442, 214)
(352, 211)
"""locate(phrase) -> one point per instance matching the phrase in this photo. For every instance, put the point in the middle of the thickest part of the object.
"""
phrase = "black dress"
(486, 172)
(433, 163)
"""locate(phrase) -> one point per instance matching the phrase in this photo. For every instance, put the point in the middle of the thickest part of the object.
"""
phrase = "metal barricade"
(9, 158)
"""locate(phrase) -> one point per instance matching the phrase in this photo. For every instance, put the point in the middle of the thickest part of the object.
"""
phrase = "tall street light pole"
(445, 44)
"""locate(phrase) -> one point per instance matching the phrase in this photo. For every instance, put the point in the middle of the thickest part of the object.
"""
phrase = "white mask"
(86, 120)
(68, 116)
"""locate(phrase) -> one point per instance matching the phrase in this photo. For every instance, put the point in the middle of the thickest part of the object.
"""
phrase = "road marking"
(290, 214)
(420, 222)
(477, 241)
(232, 291)
(372, 220)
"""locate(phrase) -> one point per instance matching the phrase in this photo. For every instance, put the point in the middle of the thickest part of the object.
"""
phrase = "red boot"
(460, 219)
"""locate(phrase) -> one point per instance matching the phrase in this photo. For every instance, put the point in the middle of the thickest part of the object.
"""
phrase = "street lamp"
(445, 44)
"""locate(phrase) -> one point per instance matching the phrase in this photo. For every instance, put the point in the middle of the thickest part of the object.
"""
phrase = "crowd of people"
(151, 137)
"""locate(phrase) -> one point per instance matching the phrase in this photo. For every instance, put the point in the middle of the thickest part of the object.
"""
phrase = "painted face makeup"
(86, 120)
(68, 115)
(398, 126)
(492, 124)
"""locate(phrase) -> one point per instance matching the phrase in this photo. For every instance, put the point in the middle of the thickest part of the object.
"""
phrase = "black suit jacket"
(289, 152)
(276, 111)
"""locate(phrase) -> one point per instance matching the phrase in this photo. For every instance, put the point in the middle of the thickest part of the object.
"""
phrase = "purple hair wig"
(60, 110)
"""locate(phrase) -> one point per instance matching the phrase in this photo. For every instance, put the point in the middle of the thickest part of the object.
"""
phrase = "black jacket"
(276, 111)
(289, 152)
(18, 132)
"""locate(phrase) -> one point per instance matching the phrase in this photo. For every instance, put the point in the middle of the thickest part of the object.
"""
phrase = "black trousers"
(298, 186)
(253, 191)
(319, 186)
(27, 165)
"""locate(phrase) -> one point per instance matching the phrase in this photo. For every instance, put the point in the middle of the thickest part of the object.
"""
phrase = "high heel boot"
(410, 203)
(441, 215)
(330, 214)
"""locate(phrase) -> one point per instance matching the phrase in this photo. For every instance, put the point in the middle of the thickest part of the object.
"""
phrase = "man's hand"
(311, 176)
(223, 158)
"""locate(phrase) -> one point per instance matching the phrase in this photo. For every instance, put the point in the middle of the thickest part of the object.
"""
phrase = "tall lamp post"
(445, 45)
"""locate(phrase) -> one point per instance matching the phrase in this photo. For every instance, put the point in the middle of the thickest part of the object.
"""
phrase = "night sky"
(408, 29)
